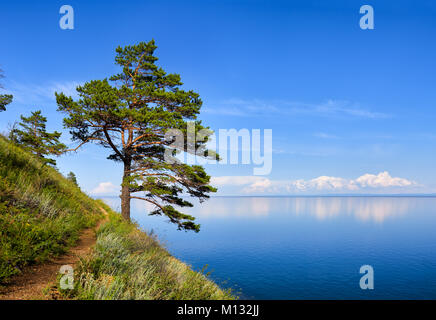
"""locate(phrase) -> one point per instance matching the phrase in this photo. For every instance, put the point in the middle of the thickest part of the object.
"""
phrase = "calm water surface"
(308, 247)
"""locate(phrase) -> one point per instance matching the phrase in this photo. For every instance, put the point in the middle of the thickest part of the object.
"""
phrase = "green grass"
(41, 212)
(130, 264)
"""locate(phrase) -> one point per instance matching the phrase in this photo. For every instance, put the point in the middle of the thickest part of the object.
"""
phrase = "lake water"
(308, 247)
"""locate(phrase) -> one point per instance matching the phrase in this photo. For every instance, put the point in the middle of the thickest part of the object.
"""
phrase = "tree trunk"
(125, 192)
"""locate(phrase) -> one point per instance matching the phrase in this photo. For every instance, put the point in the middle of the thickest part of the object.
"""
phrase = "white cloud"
(383, 179)
(323, 184)
(104, 188)
(324, 135)
(342, 107)
(327, 183)
(329, 108)
(39, 93)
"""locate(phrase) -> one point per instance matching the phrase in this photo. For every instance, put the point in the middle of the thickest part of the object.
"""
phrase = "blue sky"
(354, 107)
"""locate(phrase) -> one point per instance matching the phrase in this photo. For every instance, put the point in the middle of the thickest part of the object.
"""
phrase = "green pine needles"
(129, 114)
(72, 177)
(5, 99)
(33, 136)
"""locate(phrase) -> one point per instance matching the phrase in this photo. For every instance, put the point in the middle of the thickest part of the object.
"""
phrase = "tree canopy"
(72, 177)
(5, 99)
(32, 135)
(130, 114)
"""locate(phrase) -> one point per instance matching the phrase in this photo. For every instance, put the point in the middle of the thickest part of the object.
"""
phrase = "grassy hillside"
(130, 264)
(41, 212)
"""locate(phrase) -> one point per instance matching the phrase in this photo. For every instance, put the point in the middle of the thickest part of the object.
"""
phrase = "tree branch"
(109, 141)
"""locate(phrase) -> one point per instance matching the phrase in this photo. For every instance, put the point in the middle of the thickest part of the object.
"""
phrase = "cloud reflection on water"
(362, 208)
(376, 209)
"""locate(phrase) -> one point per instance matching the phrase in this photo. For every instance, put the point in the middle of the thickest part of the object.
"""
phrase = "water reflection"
(363, 208)
(308, 247)
(235, 207)
(376, 209)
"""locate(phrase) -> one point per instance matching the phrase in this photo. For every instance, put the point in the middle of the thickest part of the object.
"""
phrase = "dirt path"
(34, 279)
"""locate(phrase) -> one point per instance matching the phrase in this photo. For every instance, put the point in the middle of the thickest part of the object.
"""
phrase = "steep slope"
(41, 212)
(130, 264)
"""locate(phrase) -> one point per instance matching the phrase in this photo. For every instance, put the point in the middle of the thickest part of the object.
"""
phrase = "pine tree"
(32, 135)
(129, 114)
(5, 99)
(72, 177)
